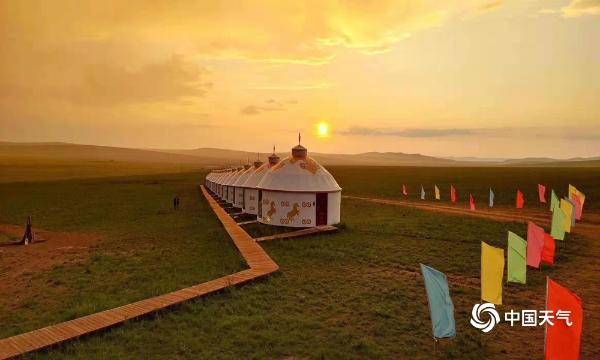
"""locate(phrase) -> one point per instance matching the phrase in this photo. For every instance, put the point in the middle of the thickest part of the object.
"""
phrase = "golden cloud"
(581, 7)
(270, 31)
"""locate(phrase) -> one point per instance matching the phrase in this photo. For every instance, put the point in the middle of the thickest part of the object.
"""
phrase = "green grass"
(7, 239)
(47, 169)
(338, 296)
(387, 182)
(350, 295)
(145, 248)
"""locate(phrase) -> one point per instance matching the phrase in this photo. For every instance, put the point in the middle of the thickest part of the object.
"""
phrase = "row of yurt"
(296, 191)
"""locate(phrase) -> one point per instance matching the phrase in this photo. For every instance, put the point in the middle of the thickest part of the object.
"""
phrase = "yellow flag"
(492, 272)
(567, 209)
(573, 190)
(437, 192)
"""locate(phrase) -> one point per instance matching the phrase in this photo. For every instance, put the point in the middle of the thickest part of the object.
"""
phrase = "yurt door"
(321, 209)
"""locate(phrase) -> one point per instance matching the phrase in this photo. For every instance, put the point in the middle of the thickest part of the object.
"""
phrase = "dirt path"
(18, 263)
(588, 227)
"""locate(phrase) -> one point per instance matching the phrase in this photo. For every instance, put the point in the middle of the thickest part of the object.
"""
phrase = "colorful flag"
(573, 190)
(422, 193)
(578, 209)
(573, 211)
(563, 330)
(452, 194)
(520, 199)
(404, 192)
(517, 255)
(491, 198)
(558, 224)
(535, 244)
(492, 272)
(548, 250)
(471, 202)
(567, 209)
(437, 192)
(554, 201)
(542, 193)
(441, 307)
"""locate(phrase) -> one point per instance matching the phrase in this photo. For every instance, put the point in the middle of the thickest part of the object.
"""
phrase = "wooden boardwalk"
(298, 233)
(259, 262)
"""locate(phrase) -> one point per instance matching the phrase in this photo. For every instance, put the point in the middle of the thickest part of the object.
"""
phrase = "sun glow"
(323, 129)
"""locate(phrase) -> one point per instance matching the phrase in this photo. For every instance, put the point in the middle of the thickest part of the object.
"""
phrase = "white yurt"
(299, 192)
(251, 193)
(229, 183)
(208, 180)
(214, 179)
(238, 189)
(224, 180)
(220, 181)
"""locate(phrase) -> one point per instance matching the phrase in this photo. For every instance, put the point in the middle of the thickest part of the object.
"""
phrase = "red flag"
(542, 193)
(404, 192)
(471, 202)
(548, 250)
(563, 341)
(452, 194)
(520, 200)
(535, 244)
(578, 207)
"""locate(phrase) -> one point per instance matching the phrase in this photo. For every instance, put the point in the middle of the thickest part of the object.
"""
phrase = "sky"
(486, 78)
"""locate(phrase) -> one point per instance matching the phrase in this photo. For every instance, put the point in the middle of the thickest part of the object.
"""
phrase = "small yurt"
(221, 180)
(214, 176)
(299, 192)
(238, 189)
(214, 180)
(208, 180)
(251, 193)
(225, 181)
(229, 183)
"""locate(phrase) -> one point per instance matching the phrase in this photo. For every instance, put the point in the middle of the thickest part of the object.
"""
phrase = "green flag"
(558, 224)
(517, 259)
(553, 200)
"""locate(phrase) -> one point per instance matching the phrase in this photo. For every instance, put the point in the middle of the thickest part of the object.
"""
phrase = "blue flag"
(441, 307)
(422, 193)
(491, 198)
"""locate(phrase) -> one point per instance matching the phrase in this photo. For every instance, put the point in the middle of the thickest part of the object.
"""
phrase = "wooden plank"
(249, 222)
(260, 265)
(299, 233)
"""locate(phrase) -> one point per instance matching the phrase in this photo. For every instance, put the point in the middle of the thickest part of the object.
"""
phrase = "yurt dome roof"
(257, 175)
(224, 177)
(231, 179)
(241, 178)
(299, 173)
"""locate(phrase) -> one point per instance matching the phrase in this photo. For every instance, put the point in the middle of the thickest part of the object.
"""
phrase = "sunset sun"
(323, 129)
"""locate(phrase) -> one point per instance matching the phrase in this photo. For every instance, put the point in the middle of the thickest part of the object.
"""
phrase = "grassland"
(386, 182)
(35, 169)
(145, 248)
(356, 294)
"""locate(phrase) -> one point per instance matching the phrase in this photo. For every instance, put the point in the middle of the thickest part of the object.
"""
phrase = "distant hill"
(212, 157)
(370, 158)
(76, 152)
